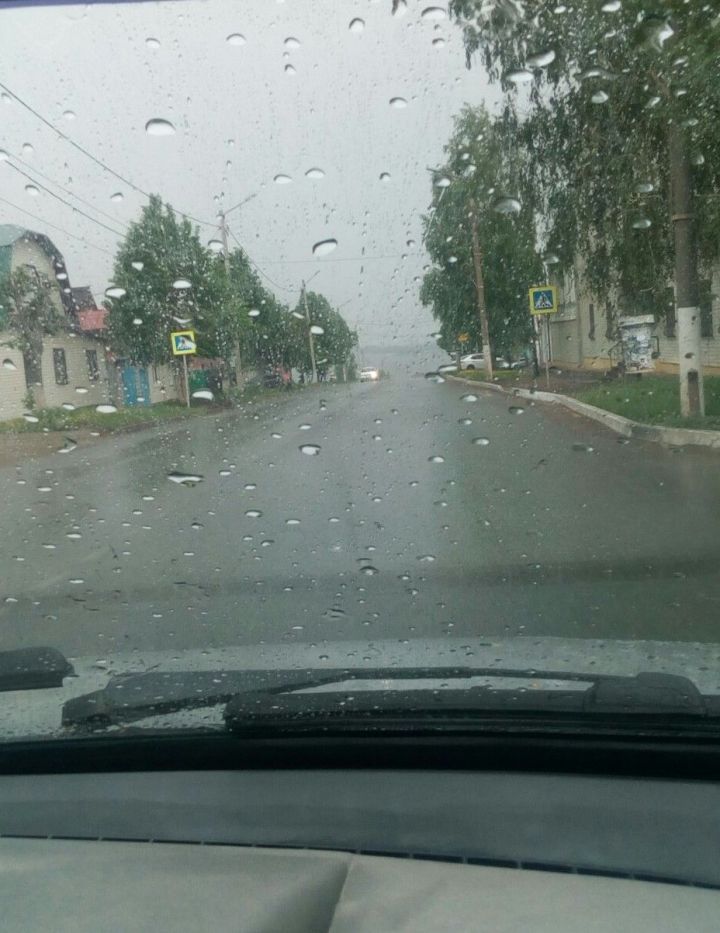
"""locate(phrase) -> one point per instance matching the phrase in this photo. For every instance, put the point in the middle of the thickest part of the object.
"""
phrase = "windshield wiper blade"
(264, 698)
(33, 669)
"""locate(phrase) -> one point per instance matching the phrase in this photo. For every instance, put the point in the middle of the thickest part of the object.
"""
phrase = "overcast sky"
(241, 117)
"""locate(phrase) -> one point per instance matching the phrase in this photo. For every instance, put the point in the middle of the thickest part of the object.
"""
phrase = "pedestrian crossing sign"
(543, 299)
(183, 342)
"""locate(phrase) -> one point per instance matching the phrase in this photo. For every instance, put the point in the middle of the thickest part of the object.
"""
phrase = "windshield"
(374, 335)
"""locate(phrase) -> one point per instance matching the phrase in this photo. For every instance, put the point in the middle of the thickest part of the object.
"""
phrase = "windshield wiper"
(33, 669)
(263, 699)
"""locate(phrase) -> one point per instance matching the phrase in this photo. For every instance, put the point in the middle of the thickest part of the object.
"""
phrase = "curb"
(668, 437)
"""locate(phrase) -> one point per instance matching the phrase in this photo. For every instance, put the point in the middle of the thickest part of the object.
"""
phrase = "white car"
(369, 374)
(472, 361)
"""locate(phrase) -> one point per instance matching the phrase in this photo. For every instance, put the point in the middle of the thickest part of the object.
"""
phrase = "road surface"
(398, 527)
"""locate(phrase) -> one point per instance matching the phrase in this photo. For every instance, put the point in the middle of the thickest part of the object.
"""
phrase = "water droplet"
(28, 149)
(599, 97)
(469, 397)
(436, 458)
(519, 76)
(117, 197)
(305, 427)
(316, 329)
(76, 581)
(68, 406)
(73, 535)
(8, 364)
(369, 570)
(152, 43)
(642, 223)
(181, 320)
(203, 394)
(115, 291)
(385, 176)
(253, 312)
(4, 155)
(438, 42)
(292, 521)
(182, 283)
(138, 266)
(30, 418)
(69, 115)
(506, 205)
(81, 390)
(253, 513)
(137, 321)
(312, 450)
(250, 486)
(583, 448)
(315, 173)
(236, 38)
(398, 103)
(185, 479)
(644, 187)
(215, 246)
(357, 25)
(426, 558)
(158, 127)
(292, 43)
(697, 159)
(32, 190)
(434, 377)
(541, 59)
(516, 410)
(290, 70)
(105, 409)
(481, 441)
(324, 247)
(400, 8)
(612, 6)
(433, 12)
(282, 179)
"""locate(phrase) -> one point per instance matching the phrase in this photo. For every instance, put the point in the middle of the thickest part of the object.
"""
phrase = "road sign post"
(184, 344)
(543, 301)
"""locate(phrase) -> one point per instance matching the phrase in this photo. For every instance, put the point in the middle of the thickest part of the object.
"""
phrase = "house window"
(706, 308)
(591, 312)
(60, 366)
(92, 365)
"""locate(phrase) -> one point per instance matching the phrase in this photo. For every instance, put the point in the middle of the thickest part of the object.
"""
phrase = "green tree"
(158, 255)
(621, 117)
(485, 172)
(332, 337)
(29, 313)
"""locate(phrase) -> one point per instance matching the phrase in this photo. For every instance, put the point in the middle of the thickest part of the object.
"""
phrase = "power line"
(90, 156)
(338, 259)
(55, 226)
(57, 184)
(283, 288)
(63, 201)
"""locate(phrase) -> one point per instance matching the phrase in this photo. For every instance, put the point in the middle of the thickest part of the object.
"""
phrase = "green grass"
(57, 419)
(654, 400)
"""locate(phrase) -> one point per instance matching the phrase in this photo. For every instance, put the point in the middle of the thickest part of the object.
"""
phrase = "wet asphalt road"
(400, 527)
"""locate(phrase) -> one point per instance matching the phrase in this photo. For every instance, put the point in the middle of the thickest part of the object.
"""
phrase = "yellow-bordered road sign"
(183, 342)
(543, 299)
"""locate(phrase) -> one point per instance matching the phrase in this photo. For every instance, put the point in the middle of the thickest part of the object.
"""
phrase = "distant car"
(472, 361)
(369, 374)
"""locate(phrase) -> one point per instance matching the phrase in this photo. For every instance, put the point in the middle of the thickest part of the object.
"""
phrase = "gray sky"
(240, 120)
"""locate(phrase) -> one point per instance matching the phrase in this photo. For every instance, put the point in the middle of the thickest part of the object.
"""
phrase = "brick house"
(72, 369)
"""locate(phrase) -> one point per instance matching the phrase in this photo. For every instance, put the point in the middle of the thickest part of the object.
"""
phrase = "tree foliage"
(29, 313)
(608, 83)
(334, 345)
(484, 168)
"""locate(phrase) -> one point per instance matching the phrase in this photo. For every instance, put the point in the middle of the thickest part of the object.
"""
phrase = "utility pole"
(311, 342)
(692, 395)
(226, 260)
(224, 238)
(480, 288)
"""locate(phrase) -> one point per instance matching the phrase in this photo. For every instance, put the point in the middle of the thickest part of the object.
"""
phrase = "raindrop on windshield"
(599, 97)
(434, 377)
(292, 43)
(185, 479)
(612, 6)
(152, 43)
(30, 418)
(203, 394)
(32, 190)
(253, 513)
(68, 406)
(117, 197)
(516, 409)
(433, 12)
(8, 364)
(324, 247)
(644, 187)
(115, 291)
(519, 76)
(316, 329)
(290, 70)
(159, 127)
(436, 458)
(385, 176)
(357, 25)
(541, 59)
(215, 246)
(399, 103)
(292, 521)
(315, 173)
(469, 397)
(236, 38)
(439, 42)
(105, 409)
(642, 223)
(181, 283)
(369, 570)
(253, 312)
(481, 441)
(282, 179)
(69, 115)
(138, 266)
(312, 450)
(506, 205)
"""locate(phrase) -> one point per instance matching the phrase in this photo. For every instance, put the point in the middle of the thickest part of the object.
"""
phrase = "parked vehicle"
(369, 374)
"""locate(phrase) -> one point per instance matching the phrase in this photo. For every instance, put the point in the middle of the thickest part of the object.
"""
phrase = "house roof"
(11, 233)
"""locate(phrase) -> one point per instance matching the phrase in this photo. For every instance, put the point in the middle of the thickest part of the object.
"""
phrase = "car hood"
(37, 713)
